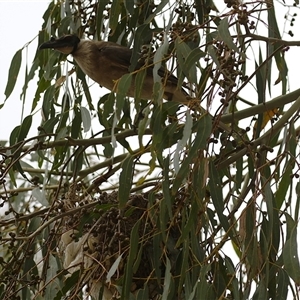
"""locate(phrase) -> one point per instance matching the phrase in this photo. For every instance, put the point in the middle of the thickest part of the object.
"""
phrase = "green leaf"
(86, 119)
(48, 126)
(78, 162)
(53, 284)
(182, 52)
(158, 58)
(12, 177)
(76, 123)
(219, 283)
(139, 83)
(40, 196)
(86, 89)
(215, 187)
(157, 242)
(25, 127)
(122, 88)
(158, 9)
(167, 281)
(129, 5)
(187, 60)
(13, 138)
(65, 109)
(13, 73)
(29, 76)
(191, 63)
(224, 35)
(70, 282)
(108, 148)
(100, 16)
(187, 130)
(143, 124)
(285, 183)
(43, 84)
(297, 199)
(283, 283)
(239, 173)
(189, 225)
(142, 35)
(142, 293)
(168, 199)
(203, 127)
(212, 52)
(203, 287)
(290, 225)
(157, 129)
(291, 258)
(125, 181)
(184, 277)
(115, 12)
(51, 69)
(234, 281)
(134, 242)
(261, 291)
(108, 108)
(113, 269)
(48, 102)
(274, 49)
(260, 80)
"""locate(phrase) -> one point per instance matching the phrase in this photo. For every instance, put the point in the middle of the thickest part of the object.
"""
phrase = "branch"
(272, 131)
(261, 108)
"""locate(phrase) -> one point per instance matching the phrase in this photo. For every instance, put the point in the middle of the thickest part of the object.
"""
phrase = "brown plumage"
(106, 62)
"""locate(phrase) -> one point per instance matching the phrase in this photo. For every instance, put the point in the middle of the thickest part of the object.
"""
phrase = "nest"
(97, 239)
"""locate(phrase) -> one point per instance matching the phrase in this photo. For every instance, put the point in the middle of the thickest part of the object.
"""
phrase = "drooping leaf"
(203, 131)
(217, 196)
(48, 102)
(182, 142)
(114, 15)
(76, 123)
(283, 282)
(86, 119)
(53, 285)
(191, 63)
(291, 256)
(134, 241)
(122, 88)
(167, 281)
(158, 59)
(125, 181)
(224, 34)
(25, 127)
(113, 269)
(13, 73)
(40, 196)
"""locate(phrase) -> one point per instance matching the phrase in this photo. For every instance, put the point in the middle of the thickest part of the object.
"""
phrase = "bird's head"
(66, 44)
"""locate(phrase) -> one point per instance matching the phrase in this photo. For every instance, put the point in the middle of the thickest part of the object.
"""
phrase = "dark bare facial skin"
(66, 44)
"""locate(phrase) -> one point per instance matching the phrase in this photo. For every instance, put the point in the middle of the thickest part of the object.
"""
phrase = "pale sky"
(20, 22)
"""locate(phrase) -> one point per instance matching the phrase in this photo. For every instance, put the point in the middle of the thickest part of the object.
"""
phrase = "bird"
(106, 62)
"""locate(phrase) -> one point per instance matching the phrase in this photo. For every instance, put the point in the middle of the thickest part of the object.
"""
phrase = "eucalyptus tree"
(122, 197)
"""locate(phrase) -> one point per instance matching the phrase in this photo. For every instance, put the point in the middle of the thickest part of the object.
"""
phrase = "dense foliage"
(114, 197)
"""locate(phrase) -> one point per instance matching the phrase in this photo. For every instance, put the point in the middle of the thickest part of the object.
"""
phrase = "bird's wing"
(120, 56)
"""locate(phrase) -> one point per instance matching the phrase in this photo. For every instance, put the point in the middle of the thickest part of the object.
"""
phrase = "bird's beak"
(53, 44)
(62, 44)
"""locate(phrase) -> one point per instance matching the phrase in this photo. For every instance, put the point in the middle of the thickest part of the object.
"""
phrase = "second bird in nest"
(106, 62)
